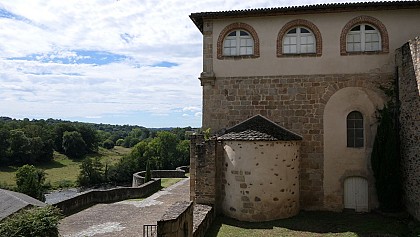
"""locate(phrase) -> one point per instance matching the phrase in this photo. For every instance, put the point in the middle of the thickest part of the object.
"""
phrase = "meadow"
(62, 171)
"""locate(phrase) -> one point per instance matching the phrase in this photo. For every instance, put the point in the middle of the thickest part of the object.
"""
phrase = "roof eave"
(198, 18)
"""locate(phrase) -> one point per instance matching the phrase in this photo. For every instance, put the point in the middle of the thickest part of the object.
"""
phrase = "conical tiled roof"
(259, 128)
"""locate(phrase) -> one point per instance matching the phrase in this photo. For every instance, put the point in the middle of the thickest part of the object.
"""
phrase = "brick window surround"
(295, 23)
(238, 26)
(364, 20)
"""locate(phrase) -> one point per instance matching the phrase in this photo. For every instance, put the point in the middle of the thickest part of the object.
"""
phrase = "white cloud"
(144, 32)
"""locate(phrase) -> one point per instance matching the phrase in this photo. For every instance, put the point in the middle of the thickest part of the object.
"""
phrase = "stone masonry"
(294, 102)
(408, 63)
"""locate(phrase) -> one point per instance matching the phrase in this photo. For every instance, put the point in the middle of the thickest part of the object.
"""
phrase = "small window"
(238, 43)
(363, 38)
(355, 137)
(299, 40)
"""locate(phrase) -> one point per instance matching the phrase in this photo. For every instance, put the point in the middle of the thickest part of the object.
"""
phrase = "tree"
(35, 222)
(30, 181)
(183, 153)
(4, 145)
(73, 144)
(148, 175)
(59, 131)
(19, 149)
(90, 137)
(108, 144)
(91, 172)
(386, 162)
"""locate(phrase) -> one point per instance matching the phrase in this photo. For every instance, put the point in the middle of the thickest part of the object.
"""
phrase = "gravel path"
(125, 218)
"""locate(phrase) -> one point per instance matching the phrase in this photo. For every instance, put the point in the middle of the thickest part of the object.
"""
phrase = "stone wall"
(93, 197)
(261, 180)
(408, 63)
(177, 221)
(138, 178)
(204, 216)
(203, 160)
(294, 102)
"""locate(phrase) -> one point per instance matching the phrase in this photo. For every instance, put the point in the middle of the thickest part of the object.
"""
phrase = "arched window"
(364, 35)
(238, 40)
(237, 43)
(299, 40)
(355, 137)
(363, 38)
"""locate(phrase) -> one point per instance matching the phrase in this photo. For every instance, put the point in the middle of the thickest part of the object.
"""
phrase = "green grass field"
(62, 171)
(308, 224)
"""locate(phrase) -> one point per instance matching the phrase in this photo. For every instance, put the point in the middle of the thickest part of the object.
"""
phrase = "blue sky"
(106, 61)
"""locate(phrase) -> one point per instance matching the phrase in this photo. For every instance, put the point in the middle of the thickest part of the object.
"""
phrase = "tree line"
(34, 141)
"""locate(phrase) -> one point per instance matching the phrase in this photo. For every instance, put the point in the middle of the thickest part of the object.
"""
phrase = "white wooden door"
(356, 194)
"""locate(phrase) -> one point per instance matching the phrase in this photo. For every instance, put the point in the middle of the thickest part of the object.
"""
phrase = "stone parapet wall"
(138, 178)
(93, 197)
(294, 102)
(177, 221)
(204, 216)
(203, 163)
(408, 63)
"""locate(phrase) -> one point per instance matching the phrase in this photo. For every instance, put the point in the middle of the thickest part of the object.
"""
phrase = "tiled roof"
(259, 128)
(198, 18)
(11, 202)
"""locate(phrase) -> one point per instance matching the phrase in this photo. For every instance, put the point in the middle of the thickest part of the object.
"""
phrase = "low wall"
(138, 178)
(93, 197)
(177, 221)
(184, 168)
(203, 218)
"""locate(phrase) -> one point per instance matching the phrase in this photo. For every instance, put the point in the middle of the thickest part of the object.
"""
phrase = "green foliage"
(165, 151)
(108, 144)
(385, 159)
(119, 142)
(148, 175)
(207, 133)
(34, 222)
(31, 181)
(73, 145)
(91, 172)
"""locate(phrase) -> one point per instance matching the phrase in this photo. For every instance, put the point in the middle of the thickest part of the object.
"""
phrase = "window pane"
(368, 27)
(303, 30)
(358, 142)
(293, 49)
(243, 33)
(233, 33)
(358, 123)
(356, 28)
(292, 31)
(286, 49)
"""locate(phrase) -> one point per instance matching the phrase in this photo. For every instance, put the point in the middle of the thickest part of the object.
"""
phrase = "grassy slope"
(63, 171)
(316, 224)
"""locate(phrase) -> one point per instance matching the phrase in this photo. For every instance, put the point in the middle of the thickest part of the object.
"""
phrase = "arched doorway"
(356, 194)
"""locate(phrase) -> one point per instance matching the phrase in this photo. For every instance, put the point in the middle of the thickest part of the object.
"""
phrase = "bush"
(35, 222)
(31, 181)
(73, 145)
(119, 142)
(91, 173)
(108, 144)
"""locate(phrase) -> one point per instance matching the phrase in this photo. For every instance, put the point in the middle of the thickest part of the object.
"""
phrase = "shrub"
(108, 144)
(119, 142)
(91, 173)
(34, 222)
(31, 181)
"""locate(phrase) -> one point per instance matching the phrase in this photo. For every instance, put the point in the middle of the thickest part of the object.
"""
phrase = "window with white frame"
(355, 137)
(363, 38)
(299, 40)
(237, 43)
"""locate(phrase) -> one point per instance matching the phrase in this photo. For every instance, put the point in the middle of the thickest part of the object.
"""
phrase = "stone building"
(316, 72)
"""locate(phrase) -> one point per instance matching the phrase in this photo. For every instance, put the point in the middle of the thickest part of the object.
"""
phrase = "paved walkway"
(125, 218)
